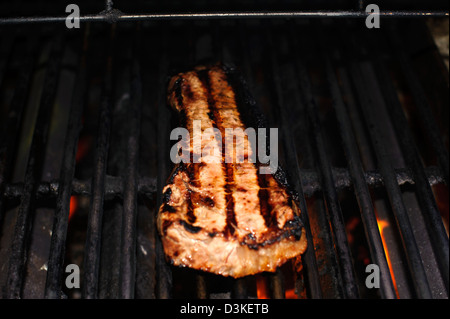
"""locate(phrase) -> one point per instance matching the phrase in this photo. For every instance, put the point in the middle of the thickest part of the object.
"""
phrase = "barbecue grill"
(84, 150)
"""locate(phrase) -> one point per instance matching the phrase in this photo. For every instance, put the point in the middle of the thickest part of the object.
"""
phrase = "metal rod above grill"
(115, 16)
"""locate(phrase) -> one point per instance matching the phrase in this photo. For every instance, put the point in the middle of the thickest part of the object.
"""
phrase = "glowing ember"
(83, 147)
(382, 224)
(73, 206)
(84, 144)
(290, 294)
(262, 287)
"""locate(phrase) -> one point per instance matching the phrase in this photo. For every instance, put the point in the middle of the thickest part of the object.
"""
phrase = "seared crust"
(223, 217)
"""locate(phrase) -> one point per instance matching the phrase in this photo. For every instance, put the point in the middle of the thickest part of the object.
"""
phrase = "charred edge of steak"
(293, 228)
(179, 167)
(178, 91)
(166, 195)
(165, 225)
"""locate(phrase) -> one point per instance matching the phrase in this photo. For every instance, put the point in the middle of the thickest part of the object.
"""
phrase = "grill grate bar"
(430, 210)
(94, 228)
(33, 171)
(360, 187)
(394, 194)
(330, 193)
(240, 289)
(61, 218)
(421, 102)
(163, 271)
(128, 248)
(293, 167)
(11, 131)
(310, 182)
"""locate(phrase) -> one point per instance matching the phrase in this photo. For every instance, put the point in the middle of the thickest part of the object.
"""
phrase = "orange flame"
(290, 294)
(382, 224)
(84, 144)
(73, 206)
(262, 287)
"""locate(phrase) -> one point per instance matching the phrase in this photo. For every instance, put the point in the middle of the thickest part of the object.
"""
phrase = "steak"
(221, 216)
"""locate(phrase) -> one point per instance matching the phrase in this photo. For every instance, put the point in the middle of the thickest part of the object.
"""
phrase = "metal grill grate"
(329, 86)
(344, 9)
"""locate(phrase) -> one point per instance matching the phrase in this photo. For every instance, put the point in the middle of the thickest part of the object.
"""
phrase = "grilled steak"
(219, 216)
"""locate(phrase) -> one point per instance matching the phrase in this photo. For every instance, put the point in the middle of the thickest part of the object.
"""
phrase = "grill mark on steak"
(203, 184)
(231, 216)
(227, 168)
(193, 176)
(263, 200)
(250, 223)
(250, 118)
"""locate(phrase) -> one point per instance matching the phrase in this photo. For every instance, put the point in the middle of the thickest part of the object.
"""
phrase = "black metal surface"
(34, 166)
(11, 129)
(299, 184)
(112, 15)
(163, 271)
(115, 15)
(60, 223)
(128, 261)
(424, 191)
(94, 227)
(360, 185)
(330, 192)
(395, 196)
(421, 102)
(291, 162)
